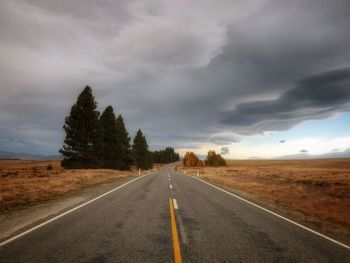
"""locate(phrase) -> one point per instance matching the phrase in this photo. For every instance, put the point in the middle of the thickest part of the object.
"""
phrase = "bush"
(49, 167)
(190, 159)
(201, 163)
(214, 159)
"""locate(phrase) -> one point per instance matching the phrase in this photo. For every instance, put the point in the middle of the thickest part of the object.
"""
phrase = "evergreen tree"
(140, 151)
(168, 155)
(109, 152)
(81, 127)
(124, 145)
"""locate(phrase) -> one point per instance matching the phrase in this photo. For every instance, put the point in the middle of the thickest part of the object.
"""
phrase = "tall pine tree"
(109, 150)
(82, 133)
(124, 145)
(140, 151)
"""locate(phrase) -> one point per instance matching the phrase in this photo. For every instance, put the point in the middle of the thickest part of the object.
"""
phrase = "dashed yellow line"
(176, 243)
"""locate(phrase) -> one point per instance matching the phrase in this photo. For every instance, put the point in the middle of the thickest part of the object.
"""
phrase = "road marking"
(181, 229)
(175, 204)
(68, 212)
(273, 213)
(171, 187)
(176, 243)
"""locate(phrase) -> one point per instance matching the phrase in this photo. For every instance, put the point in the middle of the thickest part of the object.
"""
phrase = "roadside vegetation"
(95, 140)
(213, 159)
(97, 149)
(25, 182)
(168, 155)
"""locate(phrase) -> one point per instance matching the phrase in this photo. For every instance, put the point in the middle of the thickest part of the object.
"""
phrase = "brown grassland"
(316, 192)
(24, 182)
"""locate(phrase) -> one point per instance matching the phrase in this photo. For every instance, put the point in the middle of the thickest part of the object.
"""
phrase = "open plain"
(26, 182)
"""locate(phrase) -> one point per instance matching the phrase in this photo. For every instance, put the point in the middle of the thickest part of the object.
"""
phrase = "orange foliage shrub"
(190, 159)
(201, 163)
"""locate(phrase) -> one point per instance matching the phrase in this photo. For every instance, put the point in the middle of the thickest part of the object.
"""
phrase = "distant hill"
(256, 158)
(343, 154)
(26, 156)
(307, 156)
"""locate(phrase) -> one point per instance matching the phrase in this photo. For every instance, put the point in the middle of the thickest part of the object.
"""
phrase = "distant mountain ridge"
(27, 156)
(343, 154)
(307, 156)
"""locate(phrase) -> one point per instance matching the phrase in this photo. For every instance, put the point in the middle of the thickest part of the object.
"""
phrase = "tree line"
(212, 159)
(95, 140)
(168, 155)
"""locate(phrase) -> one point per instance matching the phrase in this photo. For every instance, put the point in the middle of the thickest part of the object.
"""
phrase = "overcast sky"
(237, 76)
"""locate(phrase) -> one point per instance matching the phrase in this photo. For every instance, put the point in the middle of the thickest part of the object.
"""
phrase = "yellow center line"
(176, 243)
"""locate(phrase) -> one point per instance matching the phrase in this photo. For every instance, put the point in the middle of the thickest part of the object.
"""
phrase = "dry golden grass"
(23, 181)
(318, 191)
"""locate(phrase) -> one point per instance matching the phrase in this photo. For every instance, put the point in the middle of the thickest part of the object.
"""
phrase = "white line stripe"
(171, 187)
(175, 204)
(273, 213)
(68, 212)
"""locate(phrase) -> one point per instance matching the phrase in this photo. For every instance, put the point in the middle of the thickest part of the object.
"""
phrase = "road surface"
(167, 217)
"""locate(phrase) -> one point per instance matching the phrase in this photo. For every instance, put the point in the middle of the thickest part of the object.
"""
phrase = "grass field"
(24, 182)
(316, 191)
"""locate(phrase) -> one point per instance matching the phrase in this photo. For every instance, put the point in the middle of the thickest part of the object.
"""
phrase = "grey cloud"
(174, 47)
(224, 139)
(282, 141)
(171, 68)
(314, 97)
(304, 151)
(225, 150)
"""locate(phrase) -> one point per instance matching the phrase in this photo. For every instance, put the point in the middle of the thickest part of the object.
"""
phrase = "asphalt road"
(133, 224)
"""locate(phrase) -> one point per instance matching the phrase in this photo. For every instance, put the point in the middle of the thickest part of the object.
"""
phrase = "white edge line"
(273, 213)
(67, 212)
(175, 204)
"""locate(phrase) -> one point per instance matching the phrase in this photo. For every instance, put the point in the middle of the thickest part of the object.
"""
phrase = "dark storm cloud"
(315, 97)
(171, 68)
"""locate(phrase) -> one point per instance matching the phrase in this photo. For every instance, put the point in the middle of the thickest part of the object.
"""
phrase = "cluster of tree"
(95, 140)
(213, 159)
(168, 155)
(191, 159)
